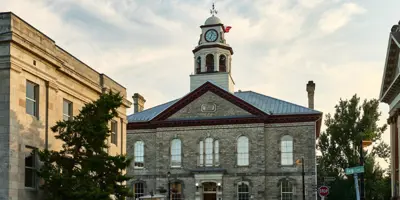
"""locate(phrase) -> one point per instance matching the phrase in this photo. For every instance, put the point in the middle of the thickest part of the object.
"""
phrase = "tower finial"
(212, 10)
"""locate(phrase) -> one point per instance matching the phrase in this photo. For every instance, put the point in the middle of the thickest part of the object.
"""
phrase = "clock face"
(211, 35)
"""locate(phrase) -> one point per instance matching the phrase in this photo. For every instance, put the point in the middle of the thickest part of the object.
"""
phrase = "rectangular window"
(114, 132)
(67, 110)
(287, 152)
(30, 168)
(32, 99)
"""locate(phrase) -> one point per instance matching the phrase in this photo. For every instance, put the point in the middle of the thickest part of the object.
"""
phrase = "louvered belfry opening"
(222, 63)
(210, 63)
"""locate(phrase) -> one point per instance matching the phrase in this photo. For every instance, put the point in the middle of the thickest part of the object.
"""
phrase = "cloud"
(336, 18)
(146, 45)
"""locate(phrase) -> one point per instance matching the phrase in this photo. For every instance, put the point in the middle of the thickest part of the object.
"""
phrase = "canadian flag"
(227, 29)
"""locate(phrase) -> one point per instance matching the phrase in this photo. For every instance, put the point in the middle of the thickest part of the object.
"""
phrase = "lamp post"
(302, 175)
(362, 188)
(169, 186)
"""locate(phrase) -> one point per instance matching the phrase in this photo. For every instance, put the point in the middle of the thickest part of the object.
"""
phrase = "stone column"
(216, 62)
(392, 166)
(203, 63)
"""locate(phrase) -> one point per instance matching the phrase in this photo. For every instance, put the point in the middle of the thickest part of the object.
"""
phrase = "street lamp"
(302, 174)
(169, 186)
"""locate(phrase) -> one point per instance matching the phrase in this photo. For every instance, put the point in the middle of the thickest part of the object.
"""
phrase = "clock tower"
(212, 56)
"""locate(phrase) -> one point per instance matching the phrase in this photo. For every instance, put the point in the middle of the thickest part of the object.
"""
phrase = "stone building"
(215, 143)
(40, 83)
(390, 94)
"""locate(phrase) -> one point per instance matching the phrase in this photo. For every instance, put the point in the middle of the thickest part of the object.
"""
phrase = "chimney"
(138, 103)
(310, 92)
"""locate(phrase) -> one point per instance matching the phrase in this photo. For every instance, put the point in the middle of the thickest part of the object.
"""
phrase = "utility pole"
(302, 173)
(362, 188)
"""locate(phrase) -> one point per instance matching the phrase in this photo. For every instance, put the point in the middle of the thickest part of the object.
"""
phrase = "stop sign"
(323, 191)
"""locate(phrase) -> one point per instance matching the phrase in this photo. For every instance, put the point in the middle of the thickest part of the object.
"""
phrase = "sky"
(279, 45)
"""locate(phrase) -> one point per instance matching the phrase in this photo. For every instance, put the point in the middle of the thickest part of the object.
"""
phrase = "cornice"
(206, 46)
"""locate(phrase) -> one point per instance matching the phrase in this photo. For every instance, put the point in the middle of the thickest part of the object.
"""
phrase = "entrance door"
(210, 196)
(209, 191)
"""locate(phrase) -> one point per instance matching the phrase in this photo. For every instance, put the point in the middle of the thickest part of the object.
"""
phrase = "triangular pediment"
(391, 67)
(209, 101)
(210, 105)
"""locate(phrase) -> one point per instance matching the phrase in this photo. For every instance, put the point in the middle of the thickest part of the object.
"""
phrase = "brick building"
(390, 94)
(215, 143)
(40, 83)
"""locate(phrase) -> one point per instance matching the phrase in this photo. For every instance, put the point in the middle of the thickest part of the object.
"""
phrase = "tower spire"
(213, 11)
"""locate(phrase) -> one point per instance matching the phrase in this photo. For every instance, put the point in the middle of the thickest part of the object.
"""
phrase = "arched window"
(243, 151)
(176, 151)
(201, 153)
(139, 154)
(138, 190)
(209, 151)
(216, 152)
(222, 63)
(198, 65)
(286, 190)
(243, 191)
(176, 191)
(287, 150)
(210, 63)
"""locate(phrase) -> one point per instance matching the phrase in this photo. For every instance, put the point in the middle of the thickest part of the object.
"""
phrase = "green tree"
(82, 169)
(339, 145)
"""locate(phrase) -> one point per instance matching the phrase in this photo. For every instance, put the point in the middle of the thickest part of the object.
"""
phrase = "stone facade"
(27, 55)
(264, 172)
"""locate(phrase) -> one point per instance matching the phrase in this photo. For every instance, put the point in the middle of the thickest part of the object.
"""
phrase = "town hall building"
(215, 143)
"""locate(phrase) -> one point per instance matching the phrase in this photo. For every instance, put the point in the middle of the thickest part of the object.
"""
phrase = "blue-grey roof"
(269, 105)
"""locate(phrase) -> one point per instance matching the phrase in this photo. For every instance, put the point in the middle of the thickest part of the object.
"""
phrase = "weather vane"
(213, 11)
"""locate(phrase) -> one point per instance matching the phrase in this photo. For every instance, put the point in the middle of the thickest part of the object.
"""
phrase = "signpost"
(355, 170)
(323, 191)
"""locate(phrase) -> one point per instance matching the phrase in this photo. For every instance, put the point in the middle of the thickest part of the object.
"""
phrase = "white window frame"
(35, 99)
(176, 152)
(284, 151)
(209, 155)
(282, 192)
(242, 143)
(67, 116)
(136, 156)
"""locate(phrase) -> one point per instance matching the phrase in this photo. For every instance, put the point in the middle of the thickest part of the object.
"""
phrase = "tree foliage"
(339, 145)
(83, 169)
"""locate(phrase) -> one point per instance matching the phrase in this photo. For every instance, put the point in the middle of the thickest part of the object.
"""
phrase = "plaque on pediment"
(208, 107)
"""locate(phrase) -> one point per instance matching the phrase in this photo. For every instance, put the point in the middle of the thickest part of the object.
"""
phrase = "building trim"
(206, 46)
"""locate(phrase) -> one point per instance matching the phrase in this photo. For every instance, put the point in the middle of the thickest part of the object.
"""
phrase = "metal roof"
(269, 105)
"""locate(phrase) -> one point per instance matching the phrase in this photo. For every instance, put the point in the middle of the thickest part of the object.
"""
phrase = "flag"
(227, 29)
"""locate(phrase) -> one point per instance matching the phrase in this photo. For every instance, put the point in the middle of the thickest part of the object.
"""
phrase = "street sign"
(323, 191)
(354, 170)
(329, 179)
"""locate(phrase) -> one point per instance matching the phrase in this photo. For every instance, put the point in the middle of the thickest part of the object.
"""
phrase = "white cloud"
(334, 19)
(146, 45)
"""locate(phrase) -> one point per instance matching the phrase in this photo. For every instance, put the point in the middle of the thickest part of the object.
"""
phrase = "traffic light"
(366, 143)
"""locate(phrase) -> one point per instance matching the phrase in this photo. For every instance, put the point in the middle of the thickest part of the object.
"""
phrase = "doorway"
(209, 191)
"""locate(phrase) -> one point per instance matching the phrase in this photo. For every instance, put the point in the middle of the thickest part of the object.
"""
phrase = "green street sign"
(354, 170)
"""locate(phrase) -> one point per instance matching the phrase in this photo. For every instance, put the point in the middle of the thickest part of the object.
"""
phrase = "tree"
(340, 147)
(83, 169)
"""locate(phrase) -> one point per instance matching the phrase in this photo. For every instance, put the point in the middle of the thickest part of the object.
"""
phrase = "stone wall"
(4, 120)
(264, 172)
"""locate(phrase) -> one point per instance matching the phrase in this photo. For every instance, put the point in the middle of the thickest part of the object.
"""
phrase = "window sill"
(242, 166)
(176, 167)
(138, 167)
(31, 189)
